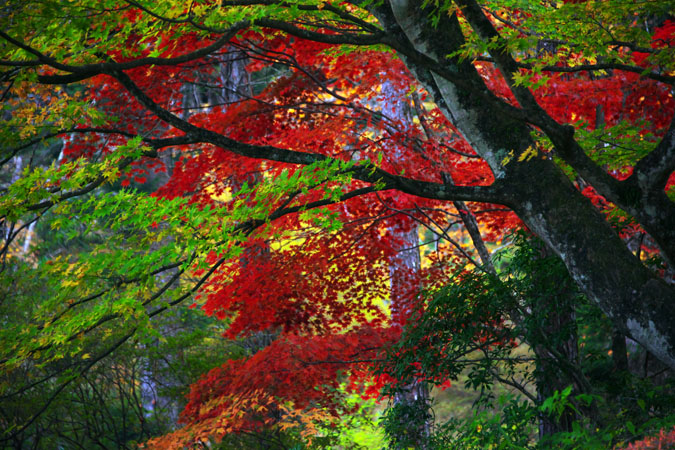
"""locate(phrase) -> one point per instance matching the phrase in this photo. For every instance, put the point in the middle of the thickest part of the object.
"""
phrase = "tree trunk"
(554, 341)
(404, 267)
(639, 303)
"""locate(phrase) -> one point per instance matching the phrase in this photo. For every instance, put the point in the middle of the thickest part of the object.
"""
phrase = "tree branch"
(79, 73)
(369, 174)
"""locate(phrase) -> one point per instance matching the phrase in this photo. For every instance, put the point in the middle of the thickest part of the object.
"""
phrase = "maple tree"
(294, 181)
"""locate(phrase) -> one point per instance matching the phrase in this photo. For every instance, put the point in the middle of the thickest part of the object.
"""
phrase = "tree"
(508, 97)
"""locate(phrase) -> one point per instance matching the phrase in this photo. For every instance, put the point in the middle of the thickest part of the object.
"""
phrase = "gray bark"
(640, 304)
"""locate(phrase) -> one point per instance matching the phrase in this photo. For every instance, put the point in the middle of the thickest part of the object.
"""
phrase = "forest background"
(317, 224)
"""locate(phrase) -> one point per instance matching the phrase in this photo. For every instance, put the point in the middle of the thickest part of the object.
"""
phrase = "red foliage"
(665, 440)
(322, 293)
(306, 370)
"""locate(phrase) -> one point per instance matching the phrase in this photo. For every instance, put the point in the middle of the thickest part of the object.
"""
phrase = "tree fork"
(640, 304)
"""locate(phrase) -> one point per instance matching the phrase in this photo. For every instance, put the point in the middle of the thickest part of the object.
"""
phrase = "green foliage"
(402, 421)
(489, 332)
(510, 425)
(124, 239)
(132, 395)
(95, 291)
(462, 318)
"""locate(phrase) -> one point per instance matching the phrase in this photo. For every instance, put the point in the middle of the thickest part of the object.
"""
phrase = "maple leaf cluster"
(314, 260)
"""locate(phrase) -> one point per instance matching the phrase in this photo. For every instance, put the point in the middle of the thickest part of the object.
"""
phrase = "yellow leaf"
(528, 154)
(508, 158)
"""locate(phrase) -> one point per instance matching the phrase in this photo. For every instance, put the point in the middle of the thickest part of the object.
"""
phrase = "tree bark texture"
(639, 303)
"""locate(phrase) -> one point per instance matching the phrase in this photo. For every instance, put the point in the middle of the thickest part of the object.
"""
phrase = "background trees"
(271, 163)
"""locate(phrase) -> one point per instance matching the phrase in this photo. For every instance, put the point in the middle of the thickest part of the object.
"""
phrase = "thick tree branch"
(652, 209)
(505, 62)
(79, 73)
(370, 174)
(562, 136)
